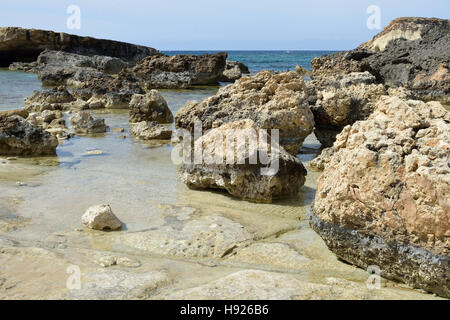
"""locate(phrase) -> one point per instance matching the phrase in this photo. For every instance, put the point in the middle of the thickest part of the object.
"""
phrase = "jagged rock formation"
(53, 99)
(83, 122)
(25, 45)
(341, 100)
(180, 71)
(383, 198)
(272, 101)
(20, 138)
(410, 52)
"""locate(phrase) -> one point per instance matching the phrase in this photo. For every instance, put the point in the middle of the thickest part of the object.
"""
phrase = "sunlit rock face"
(272, 101)
(232, 162)
(383, 198)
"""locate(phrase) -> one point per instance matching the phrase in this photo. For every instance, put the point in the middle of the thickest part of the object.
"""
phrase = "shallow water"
(15, 86)
(45, 197)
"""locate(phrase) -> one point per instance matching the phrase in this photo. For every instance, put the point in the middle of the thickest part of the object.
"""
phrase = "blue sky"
(221, 25)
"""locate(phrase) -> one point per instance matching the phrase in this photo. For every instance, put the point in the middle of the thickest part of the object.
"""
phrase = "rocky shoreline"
(379, 112)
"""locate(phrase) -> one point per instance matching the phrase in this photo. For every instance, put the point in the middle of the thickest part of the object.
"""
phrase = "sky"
(220, 25)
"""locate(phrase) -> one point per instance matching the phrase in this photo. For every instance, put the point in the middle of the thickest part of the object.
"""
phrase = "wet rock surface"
(382, 199)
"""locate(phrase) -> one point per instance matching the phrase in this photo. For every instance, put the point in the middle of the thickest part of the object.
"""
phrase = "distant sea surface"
(282, 60)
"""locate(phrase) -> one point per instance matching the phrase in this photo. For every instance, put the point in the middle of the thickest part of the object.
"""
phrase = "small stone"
(101, 217)
(127, 262)
(94, 152)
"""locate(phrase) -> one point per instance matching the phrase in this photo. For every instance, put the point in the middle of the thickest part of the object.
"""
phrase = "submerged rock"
(20, 138)
(150, 130)
(150, 107)
(232, 163)
(383, 198)
(180, 71)
(272, 101)
(83, 122)
(101, 217)
(409, 52)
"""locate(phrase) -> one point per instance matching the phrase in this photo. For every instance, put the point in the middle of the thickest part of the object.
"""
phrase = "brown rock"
(272, 101)
(383, 198)
(25, 45)
(150, 107)
(239, 170)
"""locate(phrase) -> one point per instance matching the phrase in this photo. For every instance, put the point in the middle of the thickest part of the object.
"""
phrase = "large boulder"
(180, 71)
(409, 52)
(20, 138)
(341, 100)
(232, 160)
(272, 101)
(25, 45)
(82, 122)
(150, 107)
(383, 198)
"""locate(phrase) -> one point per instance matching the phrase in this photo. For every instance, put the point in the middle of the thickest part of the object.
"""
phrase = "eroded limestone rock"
(150, 107)
(83, 122)
(272, 101)
(20, 138)
(383, 197)
(242, 171)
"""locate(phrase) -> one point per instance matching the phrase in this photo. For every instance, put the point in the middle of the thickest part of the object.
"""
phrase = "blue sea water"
(267, 60)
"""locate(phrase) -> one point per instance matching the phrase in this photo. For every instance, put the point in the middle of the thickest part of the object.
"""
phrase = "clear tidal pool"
(49, 194)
